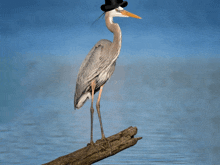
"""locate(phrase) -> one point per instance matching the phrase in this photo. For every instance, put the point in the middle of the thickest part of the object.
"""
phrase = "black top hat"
(112, 4)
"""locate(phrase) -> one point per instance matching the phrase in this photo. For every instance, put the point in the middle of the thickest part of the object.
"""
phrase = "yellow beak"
(124, 12)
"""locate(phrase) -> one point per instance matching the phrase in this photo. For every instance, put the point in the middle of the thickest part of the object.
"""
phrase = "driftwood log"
(101, 150)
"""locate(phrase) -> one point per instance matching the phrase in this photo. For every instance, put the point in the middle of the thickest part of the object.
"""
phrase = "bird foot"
(104, 142)
(91, 146)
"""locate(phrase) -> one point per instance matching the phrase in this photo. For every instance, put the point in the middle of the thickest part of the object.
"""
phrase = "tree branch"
(101, 150)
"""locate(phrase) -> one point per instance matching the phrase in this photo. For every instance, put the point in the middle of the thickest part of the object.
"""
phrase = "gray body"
(98, 65)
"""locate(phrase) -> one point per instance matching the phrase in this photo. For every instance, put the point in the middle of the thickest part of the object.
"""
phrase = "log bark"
(101, 150)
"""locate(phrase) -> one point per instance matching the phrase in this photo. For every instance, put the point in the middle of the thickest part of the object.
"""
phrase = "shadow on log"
(101, 150)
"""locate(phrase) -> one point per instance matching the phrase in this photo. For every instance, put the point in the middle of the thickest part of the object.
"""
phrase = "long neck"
(115, 29)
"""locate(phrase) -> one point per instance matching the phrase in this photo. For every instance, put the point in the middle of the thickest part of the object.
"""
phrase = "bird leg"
(98, 110)
(93, 84)
(100, 120)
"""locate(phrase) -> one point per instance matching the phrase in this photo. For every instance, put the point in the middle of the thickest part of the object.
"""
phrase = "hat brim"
(111, 7)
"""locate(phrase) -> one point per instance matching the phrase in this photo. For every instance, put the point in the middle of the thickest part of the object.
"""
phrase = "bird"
(99, 64)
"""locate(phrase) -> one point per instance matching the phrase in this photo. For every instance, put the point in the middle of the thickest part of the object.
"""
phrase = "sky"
(170, 57)
(65, 27)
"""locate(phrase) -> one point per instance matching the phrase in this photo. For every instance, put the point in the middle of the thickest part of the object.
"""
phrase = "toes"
(91, 143)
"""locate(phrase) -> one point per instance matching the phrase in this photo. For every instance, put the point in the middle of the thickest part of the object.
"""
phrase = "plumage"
(99, 64)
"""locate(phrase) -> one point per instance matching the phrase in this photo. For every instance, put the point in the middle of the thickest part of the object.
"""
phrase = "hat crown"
(113, 2)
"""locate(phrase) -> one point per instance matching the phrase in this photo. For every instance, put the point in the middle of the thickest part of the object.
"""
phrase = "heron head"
(120, 12)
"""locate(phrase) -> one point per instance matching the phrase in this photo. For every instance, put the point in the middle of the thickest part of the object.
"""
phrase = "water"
(173, 102)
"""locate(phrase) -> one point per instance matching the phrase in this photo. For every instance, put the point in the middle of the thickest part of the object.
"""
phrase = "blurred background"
(166, 83)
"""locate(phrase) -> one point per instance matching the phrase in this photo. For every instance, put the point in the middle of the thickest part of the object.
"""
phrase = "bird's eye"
(117, 10)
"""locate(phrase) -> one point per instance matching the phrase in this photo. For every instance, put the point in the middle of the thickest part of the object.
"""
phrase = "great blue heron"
(99, 64)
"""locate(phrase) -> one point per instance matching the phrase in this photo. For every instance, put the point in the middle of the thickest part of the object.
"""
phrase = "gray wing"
(95, 62)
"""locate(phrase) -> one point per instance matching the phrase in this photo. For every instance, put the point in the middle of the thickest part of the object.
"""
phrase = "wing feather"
(94, 63)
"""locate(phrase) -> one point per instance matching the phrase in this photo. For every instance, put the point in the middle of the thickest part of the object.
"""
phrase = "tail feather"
(79, 102)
